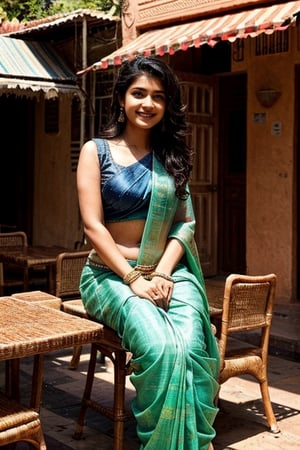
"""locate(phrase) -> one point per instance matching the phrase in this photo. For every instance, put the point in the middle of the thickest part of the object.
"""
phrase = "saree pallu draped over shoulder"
(175, 357)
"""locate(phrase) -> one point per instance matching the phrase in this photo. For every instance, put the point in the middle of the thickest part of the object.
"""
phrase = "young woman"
(143, 276)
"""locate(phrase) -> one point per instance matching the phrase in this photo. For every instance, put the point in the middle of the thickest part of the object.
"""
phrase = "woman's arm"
(183, 225)
(171, 257)
(91, 208)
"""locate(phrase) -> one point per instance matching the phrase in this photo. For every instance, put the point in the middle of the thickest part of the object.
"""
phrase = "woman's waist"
(127, 237)
(95, 261)
(128, 232)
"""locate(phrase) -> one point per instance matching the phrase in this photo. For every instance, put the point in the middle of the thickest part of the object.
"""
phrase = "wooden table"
(33, 256)
(28, 329)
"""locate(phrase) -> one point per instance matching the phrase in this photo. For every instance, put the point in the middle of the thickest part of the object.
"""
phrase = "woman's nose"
(147, 101)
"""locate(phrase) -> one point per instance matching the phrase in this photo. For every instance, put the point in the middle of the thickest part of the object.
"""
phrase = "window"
(75, 132)
(270, 44)
(103, 95)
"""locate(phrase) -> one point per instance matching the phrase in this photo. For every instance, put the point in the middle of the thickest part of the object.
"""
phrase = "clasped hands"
(156, 287)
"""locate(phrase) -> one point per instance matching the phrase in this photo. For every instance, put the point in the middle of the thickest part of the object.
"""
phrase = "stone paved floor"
(240, 424)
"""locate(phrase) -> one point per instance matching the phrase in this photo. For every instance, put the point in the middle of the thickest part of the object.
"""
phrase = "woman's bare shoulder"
(89, 146)
(88, 154)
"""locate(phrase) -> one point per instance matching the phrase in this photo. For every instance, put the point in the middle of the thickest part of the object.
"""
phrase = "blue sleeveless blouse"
(126, 190)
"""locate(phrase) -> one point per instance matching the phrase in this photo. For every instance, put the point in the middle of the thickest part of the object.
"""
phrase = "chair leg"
(264, 389)
(75, 357)
(119, 398)
(87, 392)
(41, 440)
(118, 415)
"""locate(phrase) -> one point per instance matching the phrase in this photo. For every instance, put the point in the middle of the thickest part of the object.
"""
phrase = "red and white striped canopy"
(225, 28)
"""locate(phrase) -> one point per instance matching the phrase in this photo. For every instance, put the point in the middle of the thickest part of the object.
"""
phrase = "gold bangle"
(131, 276)
(162, 275)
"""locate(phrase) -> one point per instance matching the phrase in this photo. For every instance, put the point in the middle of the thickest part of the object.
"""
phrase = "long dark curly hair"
(168, 136)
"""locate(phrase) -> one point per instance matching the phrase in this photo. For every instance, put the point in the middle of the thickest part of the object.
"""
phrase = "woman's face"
(145, 102)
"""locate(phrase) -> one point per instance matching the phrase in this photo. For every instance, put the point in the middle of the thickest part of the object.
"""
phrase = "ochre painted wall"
(270, 239)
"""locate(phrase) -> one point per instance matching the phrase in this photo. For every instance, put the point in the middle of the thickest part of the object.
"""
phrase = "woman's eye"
(159, 97)
(155, 97)
(137, 94)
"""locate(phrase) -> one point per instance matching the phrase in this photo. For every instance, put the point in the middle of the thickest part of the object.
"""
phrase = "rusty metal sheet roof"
(181, 37)
(34, 66)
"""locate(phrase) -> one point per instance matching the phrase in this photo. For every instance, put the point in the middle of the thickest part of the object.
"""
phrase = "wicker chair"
(247, 305)
(69, 267)
(11, 278)
(18, 423)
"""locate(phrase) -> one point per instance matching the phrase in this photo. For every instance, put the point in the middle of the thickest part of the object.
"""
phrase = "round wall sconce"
(267, 97)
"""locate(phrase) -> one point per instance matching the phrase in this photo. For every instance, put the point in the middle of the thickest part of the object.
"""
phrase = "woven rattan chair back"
(248, 305)
(18, 423)
(69, 266)
(14, 278)
(14, 239)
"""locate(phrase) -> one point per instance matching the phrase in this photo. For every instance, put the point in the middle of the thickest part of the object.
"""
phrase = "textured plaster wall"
(56, 217)
(270, 169)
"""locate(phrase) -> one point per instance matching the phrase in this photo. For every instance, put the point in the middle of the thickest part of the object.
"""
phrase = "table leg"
(37, 382)
(12, 378)
(1, 280)
(26, 279)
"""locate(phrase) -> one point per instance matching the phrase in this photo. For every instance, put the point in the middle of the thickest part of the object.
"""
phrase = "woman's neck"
(137, 140)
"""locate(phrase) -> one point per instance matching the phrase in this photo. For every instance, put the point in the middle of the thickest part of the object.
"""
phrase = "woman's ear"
(121, 101)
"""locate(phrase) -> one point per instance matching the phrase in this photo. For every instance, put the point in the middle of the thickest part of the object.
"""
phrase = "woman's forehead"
(147, 81)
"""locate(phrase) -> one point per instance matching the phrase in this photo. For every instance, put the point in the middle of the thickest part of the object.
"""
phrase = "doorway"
(198, 93)
(16, 163)
(296, 288)
(232, 174)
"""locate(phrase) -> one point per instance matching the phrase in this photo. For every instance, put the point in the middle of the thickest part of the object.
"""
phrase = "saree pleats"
(175, 362)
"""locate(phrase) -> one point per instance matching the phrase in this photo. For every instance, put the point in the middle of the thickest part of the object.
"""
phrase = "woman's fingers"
(158, 291)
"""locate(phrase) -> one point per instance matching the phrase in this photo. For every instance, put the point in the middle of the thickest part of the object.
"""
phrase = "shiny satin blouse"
(126, 190)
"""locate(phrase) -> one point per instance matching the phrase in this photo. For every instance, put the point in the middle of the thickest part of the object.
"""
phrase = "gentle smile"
(147, 115)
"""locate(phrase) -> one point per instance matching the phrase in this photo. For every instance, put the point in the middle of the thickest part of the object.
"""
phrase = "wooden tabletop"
(29, 329)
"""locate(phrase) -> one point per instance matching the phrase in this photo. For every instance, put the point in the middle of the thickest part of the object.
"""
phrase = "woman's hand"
(165, 289)
(158, 291)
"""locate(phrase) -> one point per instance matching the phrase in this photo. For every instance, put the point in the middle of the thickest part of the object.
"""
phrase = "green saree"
(175, 357)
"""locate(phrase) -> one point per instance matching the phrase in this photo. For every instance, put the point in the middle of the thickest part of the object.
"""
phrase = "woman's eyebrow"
(145, 90)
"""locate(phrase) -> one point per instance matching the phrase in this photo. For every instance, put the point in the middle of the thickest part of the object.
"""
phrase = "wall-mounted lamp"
(267, 97)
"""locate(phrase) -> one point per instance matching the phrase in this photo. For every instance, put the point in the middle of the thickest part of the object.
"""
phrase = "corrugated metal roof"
(90, 15)
(181, 37)
(33, 65)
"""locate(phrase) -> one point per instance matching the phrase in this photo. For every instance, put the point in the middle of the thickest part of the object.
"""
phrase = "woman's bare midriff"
(128, 236)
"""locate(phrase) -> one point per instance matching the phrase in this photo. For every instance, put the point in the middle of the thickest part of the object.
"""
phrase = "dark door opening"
(232, 174)
(16, 163)
(297, 162)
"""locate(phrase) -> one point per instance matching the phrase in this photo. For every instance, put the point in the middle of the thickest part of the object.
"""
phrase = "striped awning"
(210, 31)
(33, 66)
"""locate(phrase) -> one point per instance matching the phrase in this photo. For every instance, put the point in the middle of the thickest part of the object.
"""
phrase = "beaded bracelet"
(162, 275)
(131, 276)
